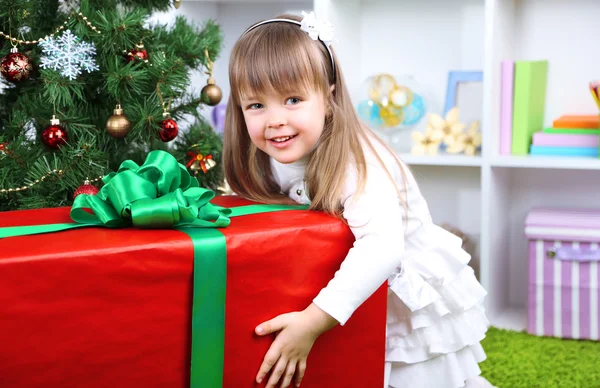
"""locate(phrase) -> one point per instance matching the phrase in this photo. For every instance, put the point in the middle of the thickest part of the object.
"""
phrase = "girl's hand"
(288, 353)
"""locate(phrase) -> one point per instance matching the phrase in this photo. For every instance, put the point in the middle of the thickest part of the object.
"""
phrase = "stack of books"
(571, 135)
(523, 100)
(522, 132)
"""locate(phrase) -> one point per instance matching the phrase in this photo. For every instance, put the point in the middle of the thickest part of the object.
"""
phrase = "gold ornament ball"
(211, 93)
(176, 3)
(117, 124)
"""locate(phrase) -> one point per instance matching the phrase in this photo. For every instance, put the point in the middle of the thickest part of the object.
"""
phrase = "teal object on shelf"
(368, 111)
(414, 112)
(564, 151)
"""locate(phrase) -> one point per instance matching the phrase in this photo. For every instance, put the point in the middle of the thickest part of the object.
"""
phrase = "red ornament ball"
(15, 66)
(168, 130)
(86, 188)
(54, 136)
(136, 54)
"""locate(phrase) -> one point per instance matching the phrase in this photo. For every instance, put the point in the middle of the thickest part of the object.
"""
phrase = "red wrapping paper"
(95, 307)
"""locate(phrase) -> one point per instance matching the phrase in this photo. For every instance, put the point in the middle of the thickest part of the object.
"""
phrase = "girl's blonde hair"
(281, 58)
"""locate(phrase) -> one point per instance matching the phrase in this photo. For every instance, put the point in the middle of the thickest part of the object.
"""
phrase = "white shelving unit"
(441, 160)
(487, 196)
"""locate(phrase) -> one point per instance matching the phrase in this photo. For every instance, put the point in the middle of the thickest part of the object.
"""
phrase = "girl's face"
(286, 127)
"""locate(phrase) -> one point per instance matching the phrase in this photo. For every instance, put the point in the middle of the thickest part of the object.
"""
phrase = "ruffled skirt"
(436, 318)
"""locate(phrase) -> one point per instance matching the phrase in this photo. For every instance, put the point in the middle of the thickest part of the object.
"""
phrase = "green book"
(528, 103)
(572, 131)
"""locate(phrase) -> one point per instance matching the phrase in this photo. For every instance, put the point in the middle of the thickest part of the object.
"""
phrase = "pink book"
(506, 106)
(564, 140)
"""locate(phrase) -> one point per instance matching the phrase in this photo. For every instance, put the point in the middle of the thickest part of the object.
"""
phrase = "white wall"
(566, 34)
(406, 38)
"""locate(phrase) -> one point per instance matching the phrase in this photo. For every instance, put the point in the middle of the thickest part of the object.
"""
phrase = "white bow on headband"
(317, 29)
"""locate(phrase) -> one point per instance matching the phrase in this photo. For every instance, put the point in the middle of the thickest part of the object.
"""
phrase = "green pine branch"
(84, 105)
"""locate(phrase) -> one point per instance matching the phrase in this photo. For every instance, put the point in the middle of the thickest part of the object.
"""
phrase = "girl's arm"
(376, 219)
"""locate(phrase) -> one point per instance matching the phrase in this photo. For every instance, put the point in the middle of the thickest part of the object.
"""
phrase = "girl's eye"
(255, 106)
(293, 100)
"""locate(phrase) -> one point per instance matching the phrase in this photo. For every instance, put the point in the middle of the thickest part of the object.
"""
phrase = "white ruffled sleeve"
(376, 219)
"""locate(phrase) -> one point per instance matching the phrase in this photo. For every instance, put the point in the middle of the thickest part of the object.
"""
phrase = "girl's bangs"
(276, 68)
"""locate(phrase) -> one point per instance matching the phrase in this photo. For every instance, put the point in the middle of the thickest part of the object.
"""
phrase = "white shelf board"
(441, 160)
(570, 163)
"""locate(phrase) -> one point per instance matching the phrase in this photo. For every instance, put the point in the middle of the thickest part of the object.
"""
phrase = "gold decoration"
(391, 116)
(177, 4)
(59, 29)
(449, 127)
(118, 125)
(385, 91)
(467, 142)
(200, 162)
(390, 97)
(166, 106)
(58, 172)
(204, 166)
(37, 181)
(211, 93)
(426, 143)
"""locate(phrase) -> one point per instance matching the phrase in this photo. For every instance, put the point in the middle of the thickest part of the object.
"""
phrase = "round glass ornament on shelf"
(391, 104)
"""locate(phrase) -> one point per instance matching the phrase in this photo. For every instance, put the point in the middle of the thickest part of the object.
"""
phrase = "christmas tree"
(88, 84)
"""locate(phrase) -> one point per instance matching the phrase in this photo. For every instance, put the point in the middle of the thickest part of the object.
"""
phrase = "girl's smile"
(282, 141)
(286, 127)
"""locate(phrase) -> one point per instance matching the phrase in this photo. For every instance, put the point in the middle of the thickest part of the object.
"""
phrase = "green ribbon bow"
(162, 194)
(159, 194)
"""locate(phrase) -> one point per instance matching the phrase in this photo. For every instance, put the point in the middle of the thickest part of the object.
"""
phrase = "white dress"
(435, 315)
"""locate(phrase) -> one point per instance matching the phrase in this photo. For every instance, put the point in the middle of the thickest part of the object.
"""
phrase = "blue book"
(536, 150)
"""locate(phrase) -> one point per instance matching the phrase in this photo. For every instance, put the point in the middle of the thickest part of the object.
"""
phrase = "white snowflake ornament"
(68, 54)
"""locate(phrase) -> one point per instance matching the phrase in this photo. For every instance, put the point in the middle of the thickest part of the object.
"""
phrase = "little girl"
(291, 132)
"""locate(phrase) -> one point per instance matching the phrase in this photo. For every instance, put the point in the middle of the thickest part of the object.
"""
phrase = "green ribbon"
(161, 194)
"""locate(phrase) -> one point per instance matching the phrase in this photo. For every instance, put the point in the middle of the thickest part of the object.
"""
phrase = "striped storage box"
(564, 297)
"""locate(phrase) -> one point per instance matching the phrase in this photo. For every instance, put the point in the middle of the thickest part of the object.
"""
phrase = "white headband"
(316, 29)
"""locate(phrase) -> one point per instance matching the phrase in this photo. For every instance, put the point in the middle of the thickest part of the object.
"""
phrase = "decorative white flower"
(450, 127)
(426, 143)
(326, 33)
(317, 29)
(466, 142)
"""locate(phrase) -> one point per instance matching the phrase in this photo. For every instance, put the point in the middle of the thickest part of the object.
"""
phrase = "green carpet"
(517, 359)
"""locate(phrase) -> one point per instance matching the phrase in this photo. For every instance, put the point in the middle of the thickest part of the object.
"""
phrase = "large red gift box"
(96, 307)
